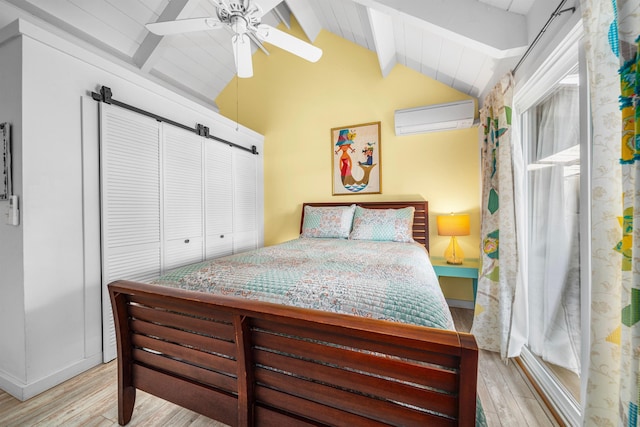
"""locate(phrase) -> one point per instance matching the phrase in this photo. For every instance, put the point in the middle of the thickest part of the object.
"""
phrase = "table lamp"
(453, 225)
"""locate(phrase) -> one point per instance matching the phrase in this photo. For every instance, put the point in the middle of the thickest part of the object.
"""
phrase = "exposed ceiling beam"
(151, 47)
(267, 5)
(283, 13)
(306, 17)
(482, 27)
(383, 38)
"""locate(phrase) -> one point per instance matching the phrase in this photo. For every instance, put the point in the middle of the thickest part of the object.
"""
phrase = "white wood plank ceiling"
(460, 43)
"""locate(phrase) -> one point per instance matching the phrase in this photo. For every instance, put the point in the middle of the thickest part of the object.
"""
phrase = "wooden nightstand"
(468, 269)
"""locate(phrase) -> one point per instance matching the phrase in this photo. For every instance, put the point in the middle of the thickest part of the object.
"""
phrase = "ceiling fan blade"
(242, 53)
(288, 42)
(184, 26)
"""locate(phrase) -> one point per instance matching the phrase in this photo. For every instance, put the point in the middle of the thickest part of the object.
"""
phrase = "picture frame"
(5, 161)
(356, 159)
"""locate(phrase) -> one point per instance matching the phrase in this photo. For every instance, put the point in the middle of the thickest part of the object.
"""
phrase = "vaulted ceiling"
(460, 43)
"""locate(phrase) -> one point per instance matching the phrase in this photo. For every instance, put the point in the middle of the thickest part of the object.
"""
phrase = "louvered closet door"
(183, 205)
(218, 171)
(245, 185)
(130, 199)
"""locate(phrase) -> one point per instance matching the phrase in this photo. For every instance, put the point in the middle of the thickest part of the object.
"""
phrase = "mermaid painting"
(364, 137)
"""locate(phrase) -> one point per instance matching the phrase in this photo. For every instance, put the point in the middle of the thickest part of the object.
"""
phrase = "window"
(551, 120)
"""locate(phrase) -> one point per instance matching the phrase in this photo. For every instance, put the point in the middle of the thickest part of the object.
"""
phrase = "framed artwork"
(355, 164)
(5, 161)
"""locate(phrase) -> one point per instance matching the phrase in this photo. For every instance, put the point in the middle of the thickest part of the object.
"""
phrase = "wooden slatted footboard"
(248, 363)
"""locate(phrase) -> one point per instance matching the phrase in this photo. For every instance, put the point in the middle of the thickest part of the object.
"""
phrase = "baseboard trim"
(23, 391)
(11, 385)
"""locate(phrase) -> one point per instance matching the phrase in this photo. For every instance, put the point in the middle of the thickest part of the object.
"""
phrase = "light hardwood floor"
(507, 396)
(90, 399)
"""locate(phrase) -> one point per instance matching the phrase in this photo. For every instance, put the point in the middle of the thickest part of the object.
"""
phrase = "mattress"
(382, 280)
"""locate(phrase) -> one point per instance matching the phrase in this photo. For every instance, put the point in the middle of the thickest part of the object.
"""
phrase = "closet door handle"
(186, 240)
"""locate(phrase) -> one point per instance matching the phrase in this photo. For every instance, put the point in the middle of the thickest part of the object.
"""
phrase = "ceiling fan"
(243, 17)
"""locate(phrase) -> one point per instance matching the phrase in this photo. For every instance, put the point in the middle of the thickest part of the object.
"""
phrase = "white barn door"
(218, 172)
(182, 190)
(130, 187)
(169, 198)
(245, 189)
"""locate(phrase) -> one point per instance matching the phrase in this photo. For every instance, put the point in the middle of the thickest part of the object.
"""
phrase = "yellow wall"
(294, 104)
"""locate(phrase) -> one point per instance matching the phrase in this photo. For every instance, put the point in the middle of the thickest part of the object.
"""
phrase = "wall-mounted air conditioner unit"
(432, 118)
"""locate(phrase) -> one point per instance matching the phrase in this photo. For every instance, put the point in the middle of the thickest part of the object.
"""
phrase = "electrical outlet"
(13, 213)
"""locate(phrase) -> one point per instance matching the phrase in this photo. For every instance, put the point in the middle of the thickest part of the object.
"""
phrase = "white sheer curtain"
(554, 256)
(559, 122)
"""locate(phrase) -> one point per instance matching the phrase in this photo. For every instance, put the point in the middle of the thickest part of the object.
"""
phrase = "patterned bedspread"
(383, 280)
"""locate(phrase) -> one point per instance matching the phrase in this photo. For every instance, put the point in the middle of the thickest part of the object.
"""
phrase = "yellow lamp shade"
(453, 225)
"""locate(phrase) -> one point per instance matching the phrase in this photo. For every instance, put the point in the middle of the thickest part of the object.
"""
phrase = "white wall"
(60, 202)
(52, 212)
(12, 320)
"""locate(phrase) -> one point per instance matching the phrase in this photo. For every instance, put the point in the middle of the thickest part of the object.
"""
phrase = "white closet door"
(218, 172)
(245, 187)
(183, 205)
(130, 186)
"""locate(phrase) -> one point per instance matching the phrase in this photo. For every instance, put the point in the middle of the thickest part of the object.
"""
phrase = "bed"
(345, 331)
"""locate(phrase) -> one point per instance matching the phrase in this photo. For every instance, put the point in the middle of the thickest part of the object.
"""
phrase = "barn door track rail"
(105, 96)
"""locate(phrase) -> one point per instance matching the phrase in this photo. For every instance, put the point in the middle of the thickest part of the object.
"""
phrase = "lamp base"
(453, 254)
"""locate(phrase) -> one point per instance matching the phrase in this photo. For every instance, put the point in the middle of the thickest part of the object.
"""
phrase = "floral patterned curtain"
(612, 35)
(494, 324)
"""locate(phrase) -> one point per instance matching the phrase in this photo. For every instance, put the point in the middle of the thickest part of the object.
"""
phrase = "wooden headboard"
(420, 217)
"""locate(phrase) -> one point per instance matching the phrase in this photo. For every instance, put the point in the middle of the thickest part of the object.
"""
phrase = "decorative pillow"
(383, 224)
(327, 221)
